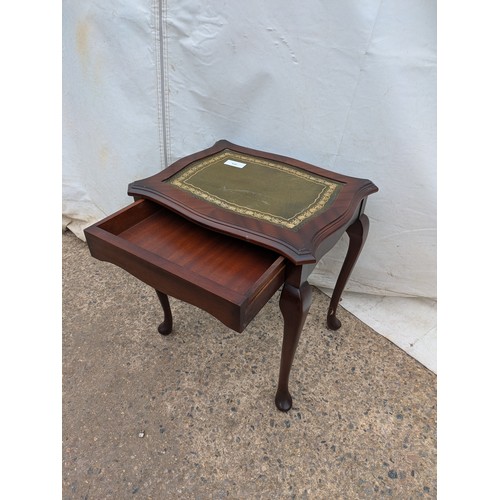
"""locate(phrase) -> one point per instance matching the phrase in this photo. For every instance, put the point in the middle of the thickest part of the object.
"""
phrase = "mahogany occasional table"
(225, 228)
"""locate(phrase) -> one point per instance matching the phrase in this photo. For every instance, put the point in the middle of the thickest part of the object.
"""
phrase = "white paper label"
(233, 163)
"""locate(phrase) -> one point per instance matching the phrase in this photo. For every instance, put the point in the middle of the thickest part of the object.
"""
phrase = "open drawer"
(227, 277)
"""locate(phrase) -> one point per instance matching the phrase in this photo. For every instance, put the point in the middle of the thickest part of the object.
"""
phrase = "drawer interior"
(231, 263)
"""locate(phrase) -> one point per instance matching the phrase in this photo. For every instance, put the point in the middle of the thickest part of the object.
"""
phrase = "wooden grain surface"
(302, 245)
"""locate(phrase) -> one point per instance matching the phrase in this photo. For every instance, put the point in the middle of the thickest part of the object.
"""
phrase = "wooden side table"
(225, 228)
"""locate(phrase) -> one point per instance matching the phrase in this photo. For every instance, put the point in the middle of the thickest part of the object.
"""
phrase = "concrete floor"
(192, 416)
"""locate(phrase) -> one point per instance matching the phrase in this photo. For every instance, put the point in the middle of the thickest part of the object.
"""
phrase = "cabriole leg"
(294, 305)
(358, 231)
(166, 326)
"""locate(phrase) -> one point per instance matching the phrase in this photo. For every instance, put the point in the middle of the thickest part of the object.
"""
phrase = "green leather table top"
(258, 188)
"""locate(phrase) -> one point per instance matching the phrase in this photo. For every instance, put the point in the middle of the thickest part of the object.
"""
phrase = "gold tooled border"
(328, 193)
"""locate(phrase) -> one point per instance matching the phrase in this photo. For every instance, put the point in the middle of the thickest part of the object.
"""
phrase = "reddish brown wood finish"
(300, 246)
(165, 328)
(358, 231)
(294, 305)
(227, 277)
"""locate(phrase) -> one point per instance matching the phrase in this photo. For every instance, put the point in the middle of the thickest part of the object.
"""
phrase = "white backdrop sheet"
(349, 86)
